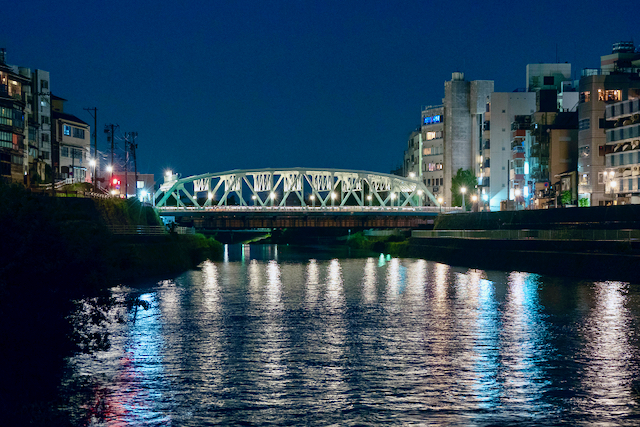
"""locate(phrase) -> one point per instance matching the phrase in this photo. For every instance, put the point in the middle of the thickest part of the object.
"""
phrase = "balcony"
(624, 133)
(587, 72)
(623, 109)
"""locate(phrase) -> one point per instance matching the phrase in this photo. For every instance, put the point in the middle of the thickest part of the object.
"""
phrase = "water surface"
(277, 336)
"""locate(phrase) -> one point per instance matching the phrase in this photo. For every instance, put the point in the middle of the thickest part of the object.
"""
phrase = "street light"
(313, 200)
(613, 185)
(92, 163)
(440, 200)
(463, 190)
(370, 199)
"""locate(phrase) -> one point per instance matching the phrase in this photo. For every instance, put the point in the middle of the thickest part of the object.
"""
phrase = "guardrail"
(586, 235)
(147, 230)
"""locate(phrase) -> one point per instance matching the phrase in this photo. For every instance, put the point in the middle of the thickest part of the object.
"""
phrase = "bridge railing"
(373, 209)
(586, 235)
(147, 230)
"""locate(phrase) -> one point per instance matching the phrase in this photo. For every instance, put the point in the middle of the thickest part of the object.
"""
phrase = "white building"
(71, 144)
(503, 164)
(622, 175)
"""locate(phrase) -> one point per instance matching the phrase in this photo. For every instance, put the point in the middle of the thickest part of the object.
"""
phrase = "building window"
(78, 133)
(64, 151)
(67, 130)
(44, 84)
(584, 124)
(548, 81)
(45, 137)
(76, 153)
(426, 151)
(584, 151)
(431, 135)
(585, 96)
(45, 120)
(609, 95)
(45, 155)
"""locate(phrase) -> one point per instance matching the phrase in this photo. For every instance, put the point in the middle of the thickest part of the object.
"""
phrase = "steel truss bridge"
(292, 189)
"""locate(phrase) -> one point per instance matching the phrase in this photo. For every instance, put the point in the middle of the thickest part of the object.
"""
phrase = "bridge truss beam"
(292, 187)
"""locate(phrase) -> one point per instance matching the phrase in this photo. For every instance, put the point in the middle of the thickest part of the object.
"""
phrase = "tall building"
(612, 83)
(432, 138)
(503, 162)
(14, 160)
(464, 107)
(622, 153)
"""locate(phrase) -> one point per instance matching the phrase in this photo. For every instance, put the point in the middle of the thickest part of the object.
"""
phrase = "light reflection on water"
(271, 340)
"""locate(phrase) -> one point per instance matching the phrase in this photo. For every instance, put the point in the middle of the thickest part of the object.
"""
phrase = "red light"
(115, 181)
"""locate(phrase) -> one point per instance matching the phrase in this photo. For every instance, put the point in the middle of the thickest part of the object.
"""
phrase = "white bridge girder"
(292, 187)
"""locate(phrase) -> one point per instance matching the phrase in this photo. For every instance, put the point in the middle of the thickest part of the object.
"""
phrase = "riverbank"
(55, 251)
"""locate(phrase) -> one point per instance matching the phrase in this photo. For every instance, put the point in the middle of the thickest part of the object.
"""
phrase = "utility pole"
(95, 142)
(110, 129)
(126, 160)
(134, 147)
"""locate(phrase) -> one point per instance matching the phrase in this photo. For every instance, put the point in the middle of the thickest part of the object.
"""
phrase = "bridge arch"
(306, 187)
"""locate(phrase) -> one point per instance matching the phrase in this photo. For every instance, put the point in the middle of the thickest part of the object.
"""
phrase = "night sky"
(217, 85)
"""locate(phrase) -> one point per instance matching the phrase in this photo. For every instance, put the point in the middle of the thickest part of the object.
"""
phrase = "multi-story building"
(432, 150)
(612, 83)
(622, 153)
(504, 159)
(38, 117)
(70, 144)
(465, 103)
(412, 159)
(14, 161)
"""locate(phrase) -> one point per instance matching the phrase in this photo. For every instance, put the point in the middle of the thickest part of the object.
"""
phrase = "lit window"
(67, 130)
(431, 135)
(585, 96)
(609, 95)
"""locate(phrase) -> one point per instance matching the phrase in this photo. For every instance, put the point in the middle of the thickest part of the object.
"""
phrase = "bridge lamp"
(369, 198)
(474, 198)
(272, 195)
(210, 196)
(333, 195)
(440, 200)
(419, 192)
(412, 174)
(168, 174)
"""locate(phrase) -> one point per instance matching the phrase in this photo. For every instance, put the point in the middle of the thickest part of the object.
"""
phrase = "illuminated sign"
(432, 119)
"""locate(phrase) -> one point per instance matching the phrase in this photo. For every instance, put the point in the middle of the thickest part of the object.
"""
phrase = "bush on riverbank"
(395, 244)
(55, 250)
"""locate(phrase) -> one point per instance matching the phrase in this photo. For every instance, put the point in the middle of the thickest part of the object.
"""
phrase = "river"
(276, 335)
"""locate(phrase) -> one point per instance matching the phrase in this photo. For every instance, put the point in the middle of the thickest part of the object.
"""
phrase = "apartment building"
(621, 178)
(71, 139)
(617, 78)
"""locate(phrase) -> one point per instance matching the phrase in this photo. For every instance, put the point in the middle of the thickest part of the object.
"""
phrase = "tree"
(467, 179)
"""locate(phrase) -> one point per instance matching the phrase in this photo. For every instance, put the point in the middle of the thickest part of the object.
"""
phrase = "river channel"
(275, 335)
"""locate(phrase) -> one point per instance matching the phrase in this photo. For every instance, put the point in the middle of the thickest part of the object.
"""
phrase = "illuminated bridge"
(296, 197)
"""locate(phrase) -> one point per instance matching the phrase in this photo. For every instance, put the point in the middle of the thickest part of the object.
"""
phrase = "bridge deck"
(245, 218)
